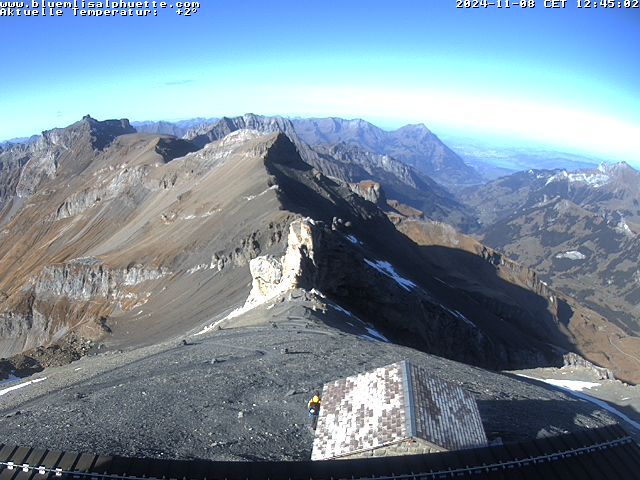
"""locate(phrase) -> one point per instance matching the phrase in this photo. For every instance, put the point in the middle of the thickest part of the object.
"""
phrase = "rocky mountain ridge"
(207, 289)
(185, 220)
(353, 163)
(414, 145)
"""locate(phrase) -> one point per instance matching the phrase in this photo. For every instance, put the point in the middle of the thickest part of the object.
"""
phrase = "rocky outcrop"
(11, 164)
(88, 278)
(249, 247)
(318, 259)
(273, 276)
(572, 360)
(41, 166)
(43, 158)
(125, 180)
(75, 295)
(371, 191)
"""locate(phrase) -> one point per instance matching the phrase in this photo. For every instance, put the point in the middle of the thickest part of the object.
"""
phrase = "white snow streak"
(21, 385)
(572, 255)
(377, 335)
(573, 385)
(592, 179)
(607, 407)
(387, 269)
(252, 197)
(353, 239)
(460, 316)
(373, 333)
(233, 314)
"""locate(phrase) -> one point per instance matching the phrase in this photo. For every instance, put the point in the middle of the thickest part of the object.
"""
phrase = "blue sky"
(565, 77)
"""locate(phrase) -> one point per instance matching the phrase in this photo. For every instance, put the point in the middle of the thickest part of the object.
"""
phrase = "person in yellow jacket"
(314, 409)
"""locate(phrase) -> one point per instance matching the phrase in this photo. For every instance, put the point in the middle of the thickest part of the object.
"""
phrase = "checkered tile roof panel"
(361, 413)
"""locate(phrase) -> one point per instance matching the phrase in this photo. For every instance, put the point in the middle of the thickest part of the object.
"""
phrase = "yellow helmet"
(315, 399)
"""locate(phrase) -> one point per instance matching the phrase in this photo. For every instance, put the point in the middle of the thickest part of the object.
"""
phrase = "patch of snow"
(460, 316)
(441, 281)
(573, 385)
(318, 293)
(607, 407)
(248, 306)
(21, 385)
(342, 310)
(197, 268)
(387, 269)
(595, 180)
(373, 333)
(376, 334)
(354, 240)
(252, 197)
(622, 227)
(572, 255)
(233, 314)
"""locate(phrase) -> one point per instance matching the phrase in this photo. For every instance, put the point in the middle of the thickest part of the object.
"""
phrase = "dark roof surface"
(442, 412)
(604, 453)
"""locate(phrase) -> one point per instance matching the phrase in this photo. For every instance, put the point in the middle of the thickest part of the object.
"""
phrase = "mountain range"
(318, 234)
(578, 229)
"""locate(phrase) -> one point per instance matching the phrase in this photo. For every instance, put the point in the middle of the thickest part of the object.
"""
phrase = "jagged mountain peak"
(99, 133)
(226, 125)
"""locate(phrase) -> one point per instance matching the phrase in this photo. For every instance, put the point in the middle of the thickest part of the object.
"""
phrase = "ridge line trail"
(622, 351)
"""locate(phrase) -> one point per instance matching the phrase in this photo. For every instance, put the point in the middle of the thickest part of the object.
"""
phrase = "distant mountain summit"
(177, 129)
(226, 125)
(609, 188)
(414, 145)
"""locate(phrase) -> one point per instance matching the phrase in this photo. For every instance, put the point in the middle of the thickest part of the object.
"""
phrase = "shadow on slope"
(499, 417)
(433, 318)
(496, 304)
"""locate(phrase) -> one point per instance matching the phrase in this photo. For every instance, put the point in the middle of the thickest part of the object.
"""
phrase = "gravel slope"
(234, 394)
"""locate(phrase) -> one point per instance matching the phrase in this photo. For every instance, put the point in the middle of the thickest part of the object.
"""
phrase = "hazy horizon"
(564, 78)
